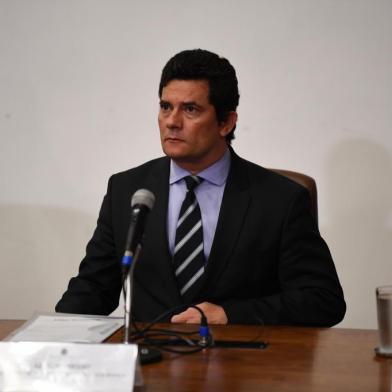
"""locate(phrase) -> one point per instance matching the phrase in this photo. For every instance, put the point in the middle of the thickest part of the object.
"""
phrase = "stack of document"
(69, 328)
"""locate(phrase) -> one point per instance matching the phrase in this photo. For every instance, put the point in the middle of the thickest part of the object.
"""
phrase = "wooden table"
(297, 359)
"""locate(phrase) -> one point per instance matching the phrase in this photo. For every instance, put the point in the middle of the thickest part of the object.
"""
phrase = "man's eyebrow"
(190, 103)
(185, 103)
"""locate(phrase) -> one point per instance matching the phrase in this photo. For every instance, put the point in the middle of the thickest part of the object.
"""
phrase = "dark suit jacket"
(268, 263)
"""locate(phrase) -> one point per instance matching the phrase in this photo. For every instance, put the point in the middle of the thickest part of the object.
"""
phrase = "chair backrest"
(308, 182)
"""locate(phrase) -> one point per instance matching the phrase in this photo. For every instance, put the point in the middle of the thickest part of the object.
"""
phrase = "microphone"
(142, 203)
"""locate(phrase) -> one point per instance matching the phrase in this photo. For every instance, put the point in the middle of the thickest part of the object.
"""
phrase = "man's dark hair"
(199, 64)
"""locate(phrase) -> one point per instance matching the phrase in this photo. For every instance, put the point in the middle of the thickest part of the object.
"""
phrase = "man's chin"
(179, 158)
(175, 153)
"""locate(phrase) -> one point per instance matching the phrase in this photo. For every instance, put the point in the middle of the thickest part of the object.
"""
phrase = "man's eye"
(164, 106)
(190, 109)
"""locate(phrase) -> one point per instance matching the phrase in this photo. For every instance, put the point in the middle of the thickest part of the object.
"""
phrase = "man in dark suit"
(253, 253)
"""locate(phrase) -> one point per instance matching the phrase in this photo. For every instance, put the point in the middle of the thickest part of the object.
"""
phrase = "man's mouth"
(173, 140)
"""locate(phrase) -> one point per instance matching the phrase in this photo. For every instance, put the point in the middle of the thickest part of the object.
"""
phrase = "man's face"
(190, 132)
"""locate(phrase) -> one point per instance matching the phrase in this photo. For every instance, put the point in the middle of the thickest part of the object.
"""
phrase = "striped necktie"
(188, 259)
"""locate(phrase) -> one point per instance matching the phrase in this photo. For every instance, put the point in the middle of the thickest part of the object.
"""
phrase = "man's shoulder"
(149, 175)
(269, 189)
(263, 178)
(155, 165)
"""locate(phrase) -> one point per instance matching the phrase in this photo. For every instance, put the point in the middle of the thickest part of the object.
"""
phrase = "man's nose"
(174, 120)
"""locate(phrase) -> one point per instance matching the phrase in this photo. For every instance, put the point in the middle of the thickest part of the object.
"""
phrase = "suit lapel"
(158, 183)
(235, 203)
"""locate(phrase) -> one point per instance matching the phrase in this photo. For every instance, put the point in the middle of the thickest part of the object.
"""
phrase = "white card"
(66, 367)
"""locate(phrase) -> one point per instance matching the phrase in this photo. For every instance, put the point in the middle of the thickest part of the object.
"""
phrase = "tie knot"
(192, 182)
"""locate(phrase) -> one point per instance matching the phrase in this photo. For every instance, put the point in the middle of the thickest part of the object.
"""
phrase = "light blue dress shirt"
(209, 196)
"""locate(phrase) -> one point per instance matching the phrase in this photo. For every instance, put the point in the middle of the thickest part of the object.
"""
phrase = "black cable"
(168, 343)
(145, 334)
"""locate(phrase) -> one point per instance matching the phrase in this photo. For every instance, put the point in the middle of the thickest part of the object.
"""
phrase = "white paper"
(67, 328)
(66, 367)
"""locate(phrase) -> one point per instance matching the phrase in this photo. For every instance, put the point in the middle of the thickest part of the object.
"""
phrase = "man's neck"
(195, 167)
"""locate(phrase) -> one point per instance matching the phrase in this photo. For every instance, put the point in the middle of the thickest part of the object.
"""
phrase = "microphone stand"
(129, 296)
(146, 355)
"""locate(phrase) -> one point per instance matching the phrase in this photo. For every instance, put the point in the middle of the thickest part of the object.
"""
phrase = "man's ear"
(228, 124)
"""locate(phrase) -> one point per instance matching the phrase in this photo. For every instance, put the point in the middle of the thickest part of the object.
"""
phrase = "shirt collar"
(215, 174)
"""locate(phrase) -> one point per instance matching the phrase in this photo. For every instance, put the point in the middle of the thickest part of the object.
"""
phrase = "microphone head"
(143, 197)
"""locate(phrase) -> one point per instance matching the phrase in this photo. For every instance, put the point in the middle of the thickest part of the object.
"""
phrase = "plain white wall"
(78, 102)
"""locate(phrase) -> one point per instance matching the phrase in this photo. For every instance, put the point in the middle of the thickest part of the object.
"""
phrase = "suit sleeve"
(309, 289)
(95, 290)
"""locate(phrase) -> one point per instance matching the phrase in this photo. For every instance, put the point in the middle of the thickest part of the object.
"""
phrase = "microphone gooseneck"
(141, 204)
